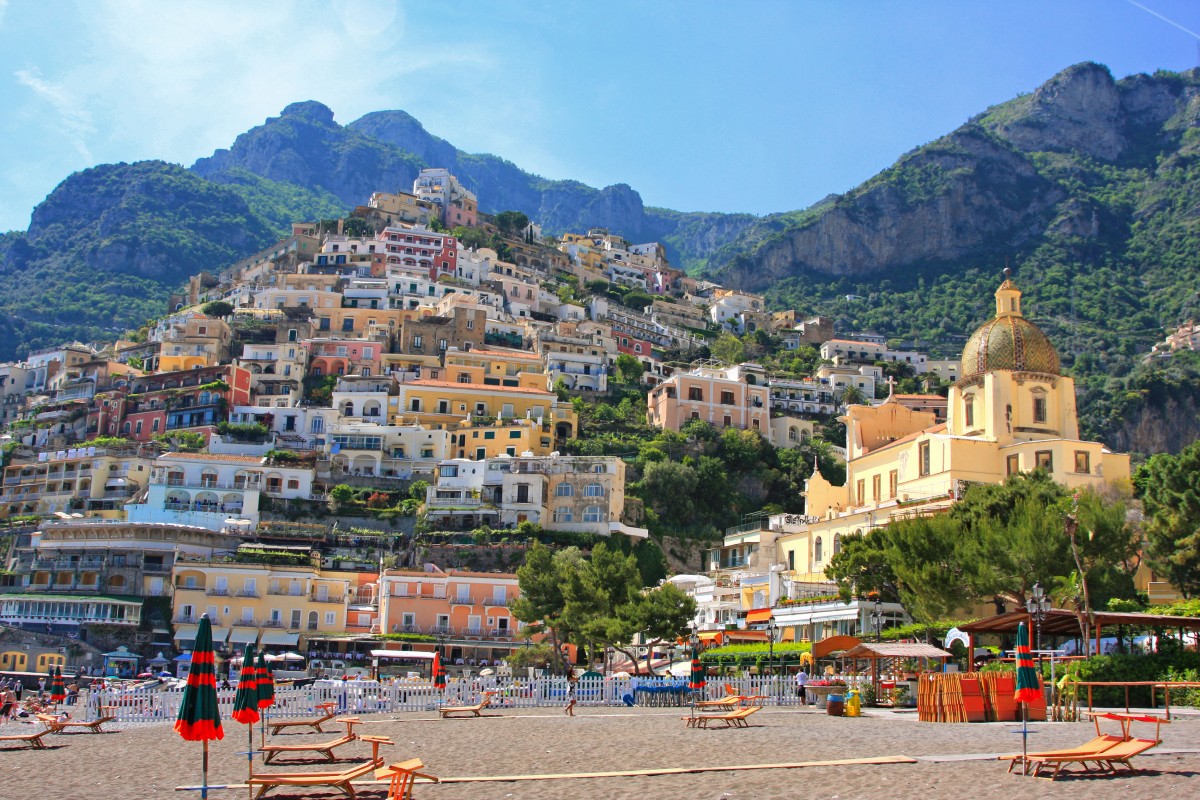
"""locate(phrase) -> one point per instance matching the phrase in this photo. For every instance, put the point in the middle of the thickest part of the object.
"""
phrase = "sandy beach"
(150, 761)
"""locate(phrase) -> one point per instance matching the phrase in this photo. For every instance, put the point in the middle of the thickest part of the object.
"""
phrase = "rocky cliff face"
(997, 181)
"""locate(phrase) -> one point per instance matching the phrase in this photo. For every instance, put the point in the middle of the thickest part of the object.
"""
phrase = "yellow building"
(89, 480)
(1011, 411)
(492, 366)
(459, 403)
(272, 605)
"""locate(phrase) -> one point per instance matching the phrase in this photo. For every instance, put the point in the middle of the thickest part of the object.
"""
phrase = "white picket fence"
(154, 704)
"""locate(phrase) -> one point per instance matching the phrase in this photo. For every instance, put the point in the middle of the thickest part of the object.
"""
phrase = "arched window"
(205, 397)
(818, 549)
(564, 490)
(593, 490)
(592, 514)
(348, 409)
(564, 514)
(792, 437)
(312, 620)
(837, 543)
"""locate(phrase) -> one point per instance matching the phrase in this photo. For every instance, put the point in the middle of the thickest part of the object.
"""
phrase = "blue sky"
(699, 105)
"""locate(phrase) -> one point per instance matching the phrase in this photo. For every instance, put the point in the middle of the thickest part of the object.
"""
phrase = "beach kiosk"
(121, 663)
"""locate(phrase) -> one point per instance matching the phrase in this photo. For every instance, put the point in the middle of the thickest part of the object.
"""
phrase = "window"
(876, 482)
(1045, 460)
(591, 514)
(923, 459)
(442, 344)
(138, 428)
(418, 341)
(1083, 462)
(726, 398)
(893, 480)
(1012, 464)
(1039, 409)
(464, 377)
(696, 393)
(818, 549)
(727, 420)
(969, 410)
(293, 483)
(564, 490)
(860, 492)
(791, 560)
(564, 514)
(593, 490)
(330, 618)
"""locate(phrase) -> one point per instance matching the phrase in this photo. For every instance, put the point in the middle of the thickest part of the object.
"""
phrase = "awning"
(711, 637)
(186, 633)
(402, 654)
(279, 639)
(243, 636)
(219, 635)
(756, 615)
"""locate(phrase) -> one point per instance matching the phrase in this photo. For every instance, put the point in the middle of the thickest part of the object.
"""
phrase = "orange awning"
(756, 615)
(708, 637)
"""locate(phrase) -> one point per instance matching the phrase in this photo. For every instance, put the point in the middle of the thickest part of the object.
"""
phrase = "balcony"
(441, 630)
(186, 619)
(186, 483)
(282, 592)
(462, 600)
(272, 623)
(189, 588)
(500, 633)
(406, 629)
(332, 599)
(248, 593)
(218, 591)
(495, 601)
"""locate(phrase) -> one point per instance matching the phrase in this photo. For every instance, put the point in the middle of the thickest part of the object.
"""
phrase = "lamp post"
(1038, 605)
(771, 628)
(877, 619)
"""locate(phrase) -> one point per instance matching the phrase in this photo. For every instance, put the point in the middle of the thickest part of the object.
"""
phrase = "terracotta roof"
(485, 387)
(214, 457)
(854, 341)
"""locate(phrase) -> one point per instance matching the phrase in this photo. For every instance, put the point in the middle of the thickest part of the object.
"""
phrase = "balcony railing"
(186, 619)
(201, 484)
(441, 630)
(282, 592)
(179, 588)
(406, 629)
(495, 601)
(217, 591)
(248, 593)
(462, 600)
(336, 599)
(272, 623)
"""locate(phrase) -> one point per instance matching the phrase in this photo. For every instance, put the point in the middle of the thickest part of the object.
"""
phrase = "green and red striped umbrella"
(698, 681)
(199, 719)
(58, 690)
(1028, 690)
(439, 672)
(266, 683)
(245, 703)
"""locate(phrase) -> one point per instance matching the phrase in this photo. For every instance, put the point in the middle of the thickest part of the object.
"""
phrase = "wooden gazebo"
(874, 651)
(1065, 623)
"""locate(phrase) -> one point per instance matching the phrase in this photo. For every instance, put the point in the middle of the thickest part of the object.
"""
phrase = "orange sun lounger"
(446, 711)
(732, 719)
(326, 709)
(55, 725)
(307, 780)
(1119, 753)
(403, 775)
(33, 740)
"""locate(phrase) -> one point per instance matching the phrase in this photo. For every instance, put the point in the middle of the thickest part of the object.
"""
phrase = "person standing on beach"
(801, 682)
(570, 709)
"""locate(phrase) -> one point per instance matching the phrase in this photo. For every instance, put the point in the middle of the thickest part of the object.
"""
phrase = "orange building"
(467, 611)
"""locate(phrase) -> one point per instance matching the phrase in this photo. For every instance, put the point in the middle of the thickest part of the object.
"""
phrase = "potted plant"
(908, 668)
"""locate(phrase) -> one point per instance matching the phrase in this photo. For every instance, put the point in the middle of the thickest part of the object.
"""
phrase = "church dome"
(1008, 341)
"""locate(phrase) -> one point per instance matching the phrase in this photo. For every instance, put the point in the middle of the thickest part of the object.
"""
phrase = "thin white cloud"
(1170, 22)
(75, 123)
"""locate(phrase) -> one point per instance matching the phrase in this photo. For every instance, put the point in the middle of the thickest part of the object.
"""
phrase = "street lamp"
(1038, 605)
(877, 619)
(771, 628)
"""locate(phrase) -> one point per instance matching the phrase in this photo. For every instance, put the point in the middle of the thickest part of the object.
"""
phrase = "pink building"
(726, 397)
(343, 357)
(418, 247)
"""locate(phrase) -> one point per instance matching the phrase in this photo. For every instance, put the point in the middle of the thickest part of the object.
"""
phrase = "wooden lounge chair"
(403, 775)
(271, 751)
(326, 709)
(1119, 753)
(55, 725)
(1095, 746)
(32, 740)
(306, 780)
(446, 711)
(732, 719)
(729, 701)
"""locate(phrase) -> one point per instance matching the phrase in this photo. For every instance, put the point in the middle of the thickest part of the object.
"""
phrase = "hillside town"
(268, 449)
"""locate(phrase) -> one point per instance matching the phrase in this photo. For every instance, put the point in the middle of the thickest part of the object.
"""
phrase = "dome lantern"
(1008, 341)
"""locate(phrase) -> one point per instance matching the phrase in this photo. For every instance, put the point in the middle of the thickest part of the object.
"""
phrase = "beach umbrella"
(439, 673)
(58, 690)
(245, 705)
(265, 685)
(1027, 687)
(697, 680)
(199, 719)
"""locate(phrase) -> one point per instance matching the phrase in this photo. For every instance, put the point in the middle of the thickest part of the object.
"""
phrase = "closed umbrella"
(266, 691)
(439, 672)
(245, 704)
(697, 680)
(199, 719)
(58, 690)
(1027, 687)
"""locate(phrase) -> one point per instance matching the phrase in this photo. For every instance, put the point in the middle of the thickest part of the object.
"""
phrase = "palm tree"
(853, 396)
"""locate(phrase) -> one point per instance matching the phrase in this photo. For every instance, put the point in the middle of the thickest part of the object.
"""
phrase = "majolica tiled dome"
(1008, 341)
